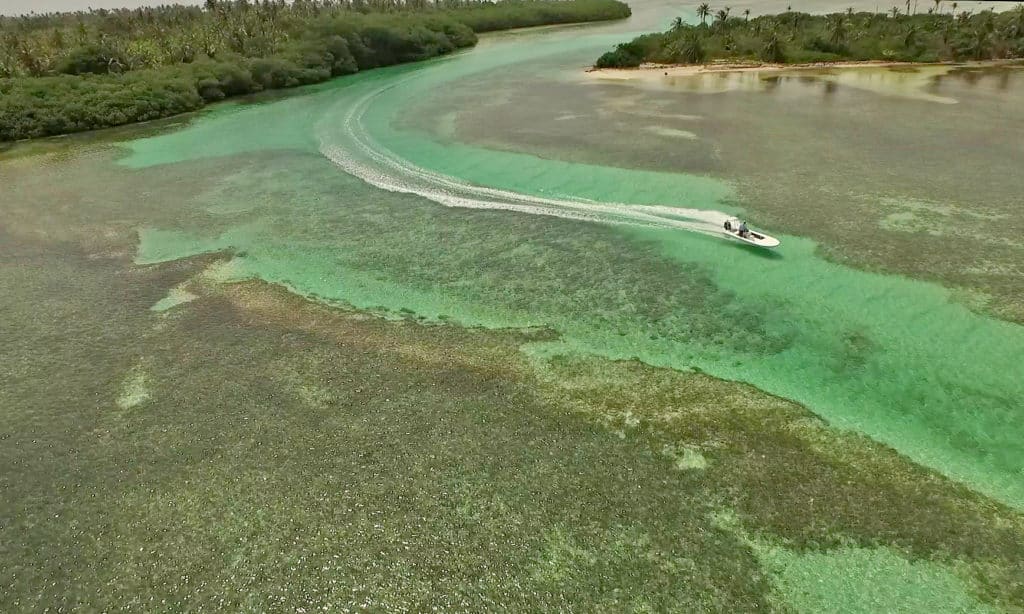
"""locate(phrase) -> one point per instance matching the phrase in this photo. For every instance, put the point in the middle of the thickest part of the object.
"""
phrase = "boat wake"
(363, 157)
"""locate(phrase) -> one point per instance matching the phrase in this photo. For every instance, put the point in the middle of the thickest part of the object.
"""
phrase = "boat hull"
(754, 238)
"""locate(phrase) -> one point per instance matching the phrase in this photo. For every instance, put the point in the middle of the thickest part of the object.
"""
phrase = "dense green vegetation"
(70, 72)
(794, 37)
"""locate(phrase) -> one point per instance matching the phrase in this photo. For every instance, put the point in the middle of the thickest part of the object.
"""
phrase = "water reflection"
(932, 83)
(918, 82)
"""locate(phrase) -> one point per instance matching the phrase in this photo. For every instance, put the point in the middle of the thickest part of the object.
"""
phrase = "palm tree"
(1016, 29)
(677, 24)
(746, 14)
(703, 12)
(947, 34)
(910, 38)
(722, 16)
(988, 22)
(772, 50)
(57, 39)
(980, 44)
(688, 49)
(895, 12)
(836, 25)
(938, 6)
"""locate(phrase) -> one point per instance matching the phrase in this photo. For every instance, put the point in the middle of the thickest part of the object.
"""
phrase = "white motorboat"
(737, 229)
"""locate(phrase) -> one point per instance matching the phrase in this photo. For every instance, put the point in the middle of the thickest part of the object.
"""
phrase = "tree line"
(69, 72)
(794, 37)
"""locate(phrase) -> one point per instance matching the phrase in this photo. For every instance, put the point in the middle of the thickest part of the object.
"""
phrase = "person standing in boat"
(744, 231)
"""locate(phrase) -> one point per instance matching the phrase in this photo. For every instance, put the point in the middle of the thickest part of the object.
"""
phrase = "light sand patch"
(672, 132)
(447, 125)
(919, 205)
(640, 105)
(916, 222)
(901, 221)
(315, 396)
(694, 79)
(685, 457)
(944, 220)
(856, 579)
(223, 271)
(177, 296)
(134, 390)
(866, 580)
(654, 71)
(987, 267)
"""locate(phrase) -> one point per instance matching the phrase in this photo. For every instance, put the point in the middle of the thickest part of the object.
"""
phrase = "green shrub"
(62, 104)
(619, 58)
(827, 47)
(91, 59)
(794, 37)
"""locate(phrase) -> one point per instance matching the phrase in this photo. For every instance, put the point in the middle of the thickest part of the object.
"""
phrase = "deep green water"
(897, 359)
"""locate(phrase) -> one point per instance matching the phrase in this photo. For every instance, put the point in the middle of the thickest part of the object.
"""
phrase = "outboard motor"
(728, 225)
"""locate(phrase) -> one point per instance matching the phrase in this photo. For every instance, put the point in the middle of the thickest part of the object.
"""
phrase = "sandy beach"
(653, 71)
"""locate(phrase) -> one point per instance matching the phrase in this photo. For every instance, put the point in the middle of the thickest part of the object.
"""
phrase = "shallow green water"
(897, 359)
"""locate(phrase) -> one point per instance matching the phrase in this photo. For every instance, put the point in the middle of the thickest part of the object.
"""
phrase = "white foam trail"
(367, 160)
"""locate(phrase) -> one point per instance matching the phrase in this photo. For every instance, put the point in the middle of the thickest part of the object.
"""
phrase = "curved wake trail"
(368, 160)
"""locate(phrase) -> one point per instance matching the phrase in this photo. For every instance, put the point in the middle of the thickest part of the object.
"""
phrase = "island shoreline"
(649, 69)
